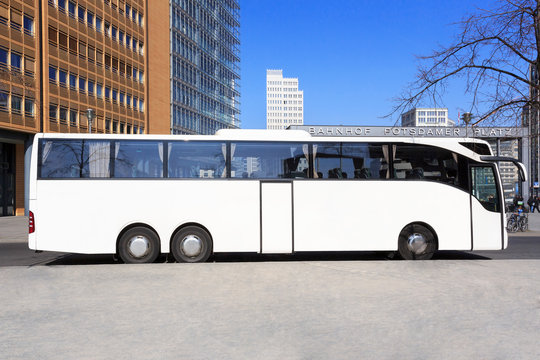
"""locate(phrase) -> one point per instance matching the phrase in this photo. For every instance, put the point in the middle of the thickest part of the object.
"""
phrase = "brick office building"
(59, 58)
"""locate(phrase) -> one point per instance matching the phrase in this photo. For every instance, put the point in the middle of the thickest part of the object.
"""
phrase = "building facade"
(195, 62)
(284, 101)
(59, 58)
(426, 117)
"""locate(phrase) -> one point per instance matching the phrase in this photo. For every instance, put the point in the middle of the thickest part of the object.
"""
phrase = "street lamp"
(91, 115)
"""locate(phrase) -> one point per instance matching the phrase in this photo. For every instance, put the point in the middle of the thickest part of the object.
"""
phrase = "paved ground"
(452, 309)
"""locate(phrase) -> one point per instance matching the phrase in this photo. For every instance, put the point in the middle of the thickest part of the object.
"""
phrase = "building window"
(108, 125)
(99, 91)
(63, 115)
(121, 37)
(71, 9)
(115, 127)
(73, 45)
(128, 41)
(114, 96)
(90, 19)
(29, 107)
(53, 35)
(52, 74)
(122, 98)
(15, 61)
(53, 112)
(62, 5)
(63, 41)
(62, 77)
(113, 33)
(128, 100)
(107, 92)
(29, 66)
(99, 57)
(81, 14)
(72, 81)
(82, 84)
(4, 100)
(98, 24)
(3, 57)
(90, 87)
(28, 25)
(73, 117)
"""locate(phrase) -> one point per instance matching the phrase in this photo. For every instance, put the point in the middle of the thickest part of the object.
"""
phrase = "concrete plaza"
(446, 309)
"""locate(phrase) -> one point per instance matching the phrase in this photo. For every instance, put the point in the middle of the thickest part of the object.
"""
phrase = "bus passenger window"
(138, 159)
(417, 162)
(350, 161)
(65, 158)
(270, 160)
(197, 159)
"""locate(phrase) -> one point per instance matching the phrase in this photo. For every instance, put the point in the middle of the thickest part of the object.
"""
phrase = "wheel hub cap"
(139, 246)
(417, 243)
(191, 246)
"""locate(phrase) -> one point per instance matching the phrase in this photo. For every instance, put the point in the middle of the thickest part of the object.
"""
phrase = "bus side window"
(350, 161)
(138, 159)
(269, 160)
(430, 163)
(197, 159)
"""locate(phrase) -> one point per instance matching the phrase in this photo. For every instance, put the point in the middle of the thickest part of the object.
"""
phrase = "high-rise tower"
(194, 66)
(284, 102)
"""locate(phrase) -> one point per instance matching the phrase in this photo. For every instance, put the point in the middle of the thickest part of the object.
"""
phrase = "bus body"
(264, 192)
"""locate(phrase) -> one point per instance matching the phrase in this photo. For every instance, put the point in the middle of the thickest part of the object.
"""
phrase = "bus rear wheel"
(191, 244)
(416, 242)
(138, 245)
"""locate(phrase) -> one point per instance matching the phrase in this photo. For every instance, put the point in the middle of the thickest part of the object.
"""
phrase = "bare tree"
(495, 53)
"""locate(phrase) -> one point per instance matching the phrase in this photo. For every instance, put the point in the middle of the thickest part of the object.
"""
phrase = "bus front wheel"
(138, 245)
(416, 242)
(191, 244)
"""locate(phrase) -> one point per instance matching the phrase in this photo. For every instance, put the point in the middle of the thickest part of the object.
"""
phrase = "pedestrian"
(532, 203)
(536, 203)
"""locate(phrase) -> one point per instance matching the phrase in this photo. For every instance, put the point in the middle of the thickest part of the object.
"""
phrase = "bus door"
(276, 217)
(486, 208)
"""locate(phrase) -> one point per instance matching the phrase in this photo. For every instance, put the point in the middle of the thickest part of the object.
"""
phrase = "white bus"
(261, 191)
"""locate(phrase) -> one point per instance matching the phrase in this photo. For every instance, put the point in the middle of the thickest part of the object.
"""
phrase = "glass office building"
(204, 65)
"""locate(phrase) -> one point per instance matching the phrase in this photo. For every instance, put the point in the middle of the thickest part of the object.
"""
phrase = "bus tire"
(138, 245)
(416, 242)
(191, 244)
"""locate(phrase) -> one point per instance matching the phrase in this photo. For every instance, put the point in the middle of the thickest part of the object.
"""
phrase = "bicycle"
(517, 222)
(523, 222)
(512, 223)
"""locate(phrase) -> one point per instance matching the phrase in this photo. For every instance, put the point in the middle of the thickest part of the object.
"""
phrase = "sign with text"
(398, 131)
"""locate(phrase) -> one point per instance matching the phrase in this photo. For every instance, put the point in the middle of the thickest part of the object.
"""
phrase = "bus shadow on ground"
(82, 259)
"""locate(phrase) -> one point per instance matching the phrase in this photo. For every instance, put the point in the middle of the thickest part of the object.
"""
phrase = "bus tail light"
(31, 223)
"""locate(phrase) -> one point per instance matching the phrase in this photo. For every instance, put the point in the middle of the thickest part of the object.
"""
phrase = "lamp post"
(90, 114)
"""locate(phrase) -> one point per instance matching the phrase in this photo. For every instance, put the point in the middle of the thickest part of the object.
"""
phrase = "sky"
(352, 57)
